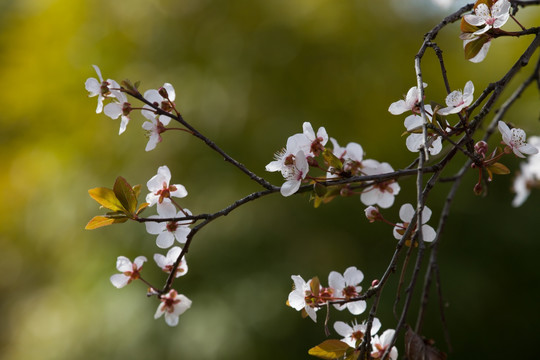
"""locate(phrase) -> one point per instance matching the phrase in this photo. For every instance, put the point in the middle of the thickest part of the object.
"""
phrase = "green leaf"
(319, 189)
(100, 221)
(128, 85)
(473, 48)
(499, 169)
(329, 349)
(331, 159)
(107, 198)
(124, 192)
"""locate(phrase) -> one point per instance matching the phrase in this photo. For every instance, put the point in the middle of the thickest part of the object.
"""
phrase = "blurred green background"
(247, 74)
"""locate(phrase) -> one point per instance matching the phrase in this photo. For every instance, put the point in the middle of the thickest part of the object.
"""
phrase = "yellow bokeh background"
(247, 74)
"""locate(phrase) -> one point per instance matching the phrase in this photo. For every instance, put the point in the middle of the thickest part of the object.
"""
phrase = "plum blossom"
(351, 156)
(316, 141)
(406, 214)
(100, 88)
(129, 271)
(515, 140)
(172, 305)
(346, 287)
(302, 298)
(382, 193)
(416, 140)
(354, 334)
(458, 100)
(297, 172)
(154, 127)
(409, 104)
(529, 176)
(166, 262)
(380, 344)
(119, 108)
(292, 163)
(494, 18)
(168, 231)
(160, 190)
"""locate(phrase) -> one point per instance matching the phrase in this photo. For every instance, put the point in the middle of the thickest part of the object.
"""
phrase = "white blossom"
(160, 190)
(354, 333)
(416, 139)
(410, 103)
(172, 305)
(346, 287)
(167, 231)
(458, 100)
(166, 262)
(100, 88)
(515, 139)
(494, 18)
(406, 214)
(129, 270)
(380, 344)
(382, 193)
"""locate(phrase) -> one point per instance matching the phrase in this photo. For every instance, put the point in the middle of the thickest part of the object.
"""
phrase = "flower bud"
(163, 92)
(478, 189)
(372, 213)
(481, 148)
(374, 283)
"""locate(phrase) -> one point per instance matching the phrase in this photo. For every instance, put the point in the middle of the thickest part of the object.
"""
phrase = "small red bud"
(163, 92)
(481, 148)
(374, 283)
(478, 189)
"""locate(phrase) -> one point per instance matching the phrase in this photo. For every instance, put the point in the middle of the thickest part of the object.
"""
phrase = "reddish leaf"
(473, 48)
(417, 348)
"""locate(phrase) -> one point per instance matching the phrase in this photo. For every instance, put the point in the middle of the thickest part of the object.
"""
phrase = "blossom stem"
(517, 22)
(149, 285)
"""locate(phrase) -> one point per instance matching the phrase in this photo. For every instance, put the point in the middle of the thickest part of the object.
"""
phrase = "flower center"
(350, 292)
(172, 226)
(518, 137)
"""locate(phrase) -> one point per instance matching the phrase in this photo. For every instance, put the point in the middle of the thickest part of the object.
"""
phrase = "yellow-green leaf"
(106, 198)
(331, 159)
(100, 221)
(329, 349)
(124, 192)
(319, 189)
(141, 208)
(499, 169)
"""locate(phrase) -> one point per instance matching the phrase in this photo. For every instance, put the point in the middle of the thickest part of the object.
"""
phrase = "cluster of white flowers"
(172, 303)
(353, 335)
(341, 288)
(456, 101)
(120, 107)
(344, 289)
(302, 150)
